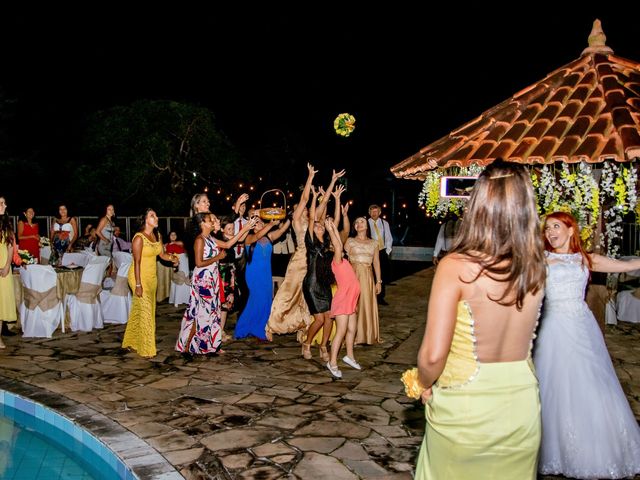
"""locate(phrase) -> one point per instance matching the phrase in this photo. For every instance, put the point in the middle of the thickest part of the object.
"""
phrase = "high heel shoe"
(306, 351)
(324, 354)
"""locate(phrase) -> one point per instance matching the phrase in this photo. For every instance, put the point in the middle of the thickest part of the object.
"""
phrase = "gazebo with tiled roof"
(588, 110)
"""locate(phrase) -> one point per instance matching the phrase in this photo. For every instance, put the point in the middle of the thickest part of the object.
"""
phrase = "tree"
(156, 152)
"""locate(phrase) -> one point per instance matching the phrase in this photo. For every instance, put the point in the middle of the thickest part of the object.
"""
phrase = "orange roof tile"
(588, 110)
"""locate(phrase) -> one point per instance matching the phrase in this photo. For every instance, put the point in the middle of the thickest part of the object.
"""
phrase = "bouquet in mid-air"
(344, 124)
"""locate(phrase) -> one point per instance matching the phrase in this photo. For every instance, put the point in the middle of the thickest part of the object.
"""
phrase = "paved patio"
(258, 412)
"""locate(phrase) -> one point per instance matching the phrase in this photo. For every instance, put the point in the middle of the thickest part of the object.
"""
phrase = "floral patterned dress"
(200, 331)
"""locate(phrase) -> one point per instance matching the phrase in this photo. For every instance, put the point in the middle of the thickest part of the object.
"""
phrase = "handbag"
(16, 260)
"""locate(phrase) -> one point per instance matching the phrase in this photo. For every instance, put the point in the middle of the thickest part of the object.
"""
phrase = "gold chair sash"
(44, 300)
(88, 293)
(121, 287)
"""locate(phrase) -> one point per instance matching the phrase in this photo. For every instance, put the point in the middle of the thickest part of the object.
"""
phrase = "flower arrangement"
(44, 241)
(344, 124)
(429, 198)
(26, 257)
(586, 191)
(412, 386)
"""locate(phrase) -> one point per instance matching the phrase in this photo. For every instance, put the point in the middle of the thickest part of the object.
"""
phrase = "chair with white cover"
(180, 289)
(75, 258)
(628, 306)
(41, 311)
(121, 257)
(98, 259)
(115, 303)
(84, 306)
(45, 254)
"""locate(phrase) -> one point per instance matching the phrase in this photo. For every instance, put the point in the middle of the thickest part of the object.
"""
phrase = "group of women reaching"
(305, 302)
(482, 392)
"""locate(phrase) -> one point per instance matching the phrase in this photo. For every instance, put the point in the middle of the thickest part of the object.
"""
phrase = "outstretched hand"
(345, 209)
(338, 191)
(337, 175)
(312, 171)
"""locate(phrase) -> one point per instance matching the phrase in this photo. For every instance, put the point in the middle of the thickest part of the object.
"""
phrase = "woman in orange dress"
(28, 235)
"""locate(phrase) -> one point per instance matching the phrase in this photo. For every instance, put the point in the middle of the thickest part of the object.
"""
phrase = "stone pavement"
(260, 411)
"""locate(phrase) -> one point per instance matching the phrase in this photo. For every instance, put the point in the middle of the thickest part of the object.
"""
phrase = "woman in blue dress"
(258, 247)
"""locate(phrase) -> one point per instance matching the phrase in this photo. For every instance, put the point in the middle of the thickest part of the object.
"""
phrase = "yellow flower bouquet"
(344, 124)
(412, 386)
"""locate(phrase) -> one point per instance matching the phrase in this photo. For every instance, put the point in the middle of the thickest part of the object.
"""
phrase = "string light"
(240, 185)
(384, 205)
(350, 202)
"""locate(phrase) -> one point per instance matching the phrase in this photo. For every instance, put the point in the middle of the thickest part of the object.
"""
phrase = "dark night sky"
(408, 75)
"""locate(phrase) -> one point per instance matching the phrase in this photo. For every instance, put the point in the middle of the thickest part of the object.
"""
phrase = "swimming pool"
(38, 443)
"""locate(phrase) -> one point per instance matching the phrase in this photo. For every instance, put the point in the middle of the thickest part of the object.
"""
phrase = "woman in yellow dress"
(140, 334)
(481, 393)
(7, 295)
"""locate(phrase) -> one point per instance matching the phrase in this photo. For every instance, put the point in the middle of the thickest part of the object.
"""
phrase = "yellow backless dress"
(483, 420)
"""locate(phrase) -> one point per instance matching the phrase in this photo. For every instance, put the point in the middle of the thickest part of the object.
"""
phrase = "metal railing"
(128, 225)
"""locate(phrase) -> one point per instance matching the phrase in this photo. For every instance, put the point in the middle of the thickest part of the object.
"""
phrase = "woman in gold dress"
(363, 255)
(481, 393)
(289, 311)
(140, 334)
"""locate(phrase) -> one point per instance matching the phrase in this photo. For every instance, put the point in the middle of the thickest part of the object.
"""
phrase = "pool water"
(33, 449)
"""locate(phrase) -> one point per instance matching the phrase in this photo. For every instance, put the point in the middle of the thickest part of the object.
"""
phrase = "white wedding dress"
(588, 428)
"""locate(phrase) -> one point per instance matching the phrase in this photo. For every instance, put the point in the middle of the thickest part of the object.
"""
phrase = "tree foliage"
(155, 153)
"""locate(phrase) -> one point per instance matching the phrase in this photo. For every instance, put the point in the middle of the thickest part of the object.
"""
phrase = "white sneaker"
(351, 362)
(335, 371)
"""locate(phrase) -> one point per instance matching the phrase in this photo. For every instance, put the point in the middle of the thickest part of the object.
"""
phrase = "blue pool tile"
(9, 399)
(40, 411)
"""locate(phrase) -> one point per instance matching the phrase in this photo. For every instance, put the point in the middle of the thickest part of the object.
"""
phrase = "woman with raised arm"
(588, 428)
(316, 286)
(140, 334)
(289, 310)
(258, 248)
(343, 305)
(481, 394)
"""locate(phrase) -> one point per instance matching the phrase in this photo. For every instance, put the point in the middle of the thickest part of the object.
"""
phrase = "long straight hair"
(500, 231)
(575, 243)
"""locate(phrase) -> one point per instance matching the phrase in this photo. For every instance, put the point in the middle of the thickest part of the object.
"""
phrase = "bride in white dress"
(588, 428)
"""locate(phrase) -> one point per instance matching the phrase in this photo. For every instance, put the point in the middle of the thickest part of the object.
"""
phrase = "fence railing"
(128, 225)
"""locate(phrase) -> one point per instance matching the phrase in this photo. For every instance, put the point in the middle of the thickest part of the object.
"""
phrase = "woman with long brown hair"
(588, 428)
(474, 362)
(7, 295)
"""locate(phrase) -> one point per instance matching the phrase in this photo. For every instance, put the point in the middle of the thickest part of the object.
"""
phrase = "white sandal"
(335, 371)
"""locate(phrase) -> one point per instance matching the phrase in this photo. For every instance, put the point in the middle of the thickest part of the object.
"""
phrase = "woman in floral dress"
(200, 332)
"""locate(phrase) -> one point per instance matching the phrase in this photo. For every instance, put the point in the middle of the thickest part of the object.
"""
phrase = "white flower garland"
(570, 188)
